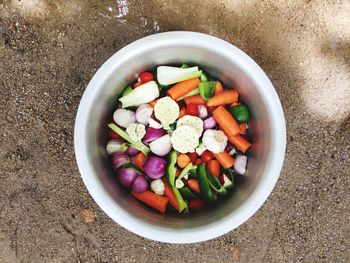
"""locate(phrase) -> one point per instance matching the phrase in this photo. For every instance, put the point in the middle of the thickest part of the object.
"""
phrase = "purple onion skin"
(126, 176)
(132, 151)
(140, 184)
(209, 123)
(152, 134)
(154, 167)
(119, 159)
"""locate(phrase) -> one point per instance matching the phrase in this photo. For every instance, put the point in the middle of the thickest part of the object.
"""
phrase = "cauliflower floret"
(157, 186)
(200, 149)
(192, 121)
(136, 131)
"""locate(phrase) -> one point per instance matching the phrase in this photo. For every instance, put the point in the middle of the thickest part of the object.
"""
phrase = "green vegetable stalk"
(204, 77)
(185, 171)
(138, 145)
(126, 91)
(206, 89)
(204, 185)
(183, 208)
(171, 169)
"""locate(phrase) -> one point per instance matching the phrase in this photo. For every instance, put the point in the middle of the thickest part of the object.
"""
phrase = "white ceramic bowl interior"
(227, 63)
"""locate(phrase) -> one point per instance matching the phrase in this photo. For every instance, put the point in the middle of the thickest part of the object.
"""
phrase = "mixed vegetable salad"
(178, 139)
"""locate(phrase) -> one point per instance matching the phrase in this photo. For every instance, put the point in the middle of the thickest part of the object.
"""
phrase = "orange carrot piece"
(168, 192)
(240, 142)
(243, 127)
(182, 112)
(214, 167)
(196, 99)
(226, 121)
(193, 185)
(224, 159)
(139, 160)
(218, 88)
(182, 88)
(183, 160)
(234, 104)
(152, 103)
(137, 84)
(223, 98)
(158, 202)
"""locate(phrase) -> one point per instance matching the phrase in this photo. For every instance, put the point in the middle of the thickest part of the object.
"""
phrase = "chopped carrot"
(223, 98)
(234, 104)
(240, 142)
(224, 159)
(226, 121)
(182, 112)
(243, 127)
(158, 202)
(218, 88)
(183, 160)
(168, 192)
(182, 88)
(196, 99)
(139, 160)
(137, 84)
(193, 185)
(214, 167)
(196, 204)
(152, 103)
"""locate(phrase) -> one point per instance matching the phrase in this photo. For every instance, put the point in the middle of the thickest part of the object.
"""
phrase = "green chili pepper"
(187, 168)
(126, 91)
(171, 170)
(206, 89)
(204, 77)
(193, 172)
(241, 113)
(183, 207)
(215, 184)
(187, 193)
(204, 185)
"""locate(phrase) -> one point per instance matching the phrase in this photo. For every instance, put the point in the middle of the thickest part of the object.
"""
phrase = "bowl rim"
(265, 184)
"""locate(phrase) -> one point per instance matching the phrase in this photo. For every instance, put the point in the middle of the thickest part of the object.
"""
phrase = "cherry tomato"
(137, 84)
(196, 204)
(193, 156)
(192, 109)
(198, 161)
(207, 156)
(211, 109)
(146, 76)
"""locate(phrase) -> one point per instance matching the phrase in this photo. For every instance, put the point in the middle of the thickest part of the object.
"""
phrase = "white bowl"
(227, 63)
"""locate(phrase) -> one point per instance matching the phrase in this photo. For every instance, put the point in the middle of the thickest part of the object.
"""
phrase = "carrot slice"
(214, 167)
(182, 88)
(158, 202)
(226, 121)
(240, 142)
(183, 160)
(139, 160)
(224, 159)
(182, 112)
(168, 192)
(243, 127)
(152, 103)
(193, 185)
(223, 98)
(196, 99)
(218, 88)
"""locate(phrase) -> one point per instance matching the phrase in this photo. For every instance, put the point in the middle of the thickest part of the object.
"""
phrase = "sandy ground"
(50, 50)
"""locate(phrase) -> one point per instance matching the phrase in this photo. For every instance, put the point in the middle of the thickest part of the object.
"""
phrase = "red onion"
(131, 151)
(240, 164)
(126, 176)
(119, 159)
(209, 123)
(154, 167)
(140, 184)
(152, 134)
(161, 146)
(202, 111)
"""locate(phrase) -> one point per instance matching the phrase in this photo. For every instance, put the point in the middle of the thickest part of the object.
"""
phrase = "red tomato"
(196, 204)
(146, 76)
(192, 109)
(193, 156)
(113, 135)
(211, 108)
(198, 161)
(207, 156)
